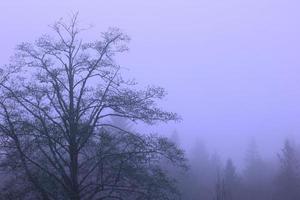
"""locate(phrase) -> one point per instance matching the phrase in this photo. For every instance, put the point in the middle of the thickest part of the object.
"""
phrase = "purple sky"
(232, 68)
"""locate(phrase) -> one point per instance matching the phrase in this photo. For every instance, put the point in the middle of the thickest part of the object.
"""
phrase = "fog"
(231, 68)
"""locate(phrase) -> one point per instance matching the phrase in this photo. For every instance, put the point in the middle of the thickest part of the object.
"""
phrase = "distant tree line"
(211, 179)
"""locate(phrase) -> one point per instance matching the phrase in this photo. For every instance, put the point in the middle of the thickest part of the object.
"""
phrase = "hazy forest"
(75, 126)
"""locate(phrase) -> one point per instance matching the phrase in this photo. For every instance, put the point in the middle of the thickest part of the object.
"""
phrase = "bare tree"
(56, 98)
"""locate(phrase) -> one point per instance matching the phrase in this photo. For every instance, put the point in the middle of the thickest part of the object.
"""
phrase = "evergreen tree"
(288, 180)
(256, 176)
(231, 179)
(220, 189)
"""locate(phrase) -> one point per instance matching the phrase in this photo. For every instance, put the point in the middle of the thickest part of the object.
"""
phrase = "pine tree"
(256, 175)
(288, 179)
(220, 189)
(231, 179)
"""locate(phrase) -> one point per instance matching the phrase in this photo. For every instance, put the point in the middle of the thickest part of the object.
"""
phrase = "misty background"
(231, 68)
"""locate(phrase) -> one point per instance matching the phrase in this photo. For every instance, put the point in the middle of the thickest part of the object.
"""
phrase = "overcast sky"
(231, 67)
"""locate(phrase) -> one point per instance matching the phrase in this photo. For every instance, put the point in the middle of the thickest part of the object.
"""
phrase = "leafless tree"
(56, 98)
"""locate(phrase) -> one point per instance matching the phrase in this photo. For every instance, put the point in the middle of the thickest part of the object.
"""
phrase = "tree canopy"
(57, 140)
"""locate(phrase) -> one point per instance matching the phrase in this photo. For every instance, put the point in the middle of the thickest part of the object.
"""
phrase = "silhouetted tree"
(231, 180)
(200, 173)
(253, 163)
(220, 189)
(256, 179)
(288, 179)
(57, 97)
(215, 168)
